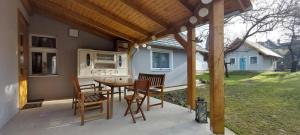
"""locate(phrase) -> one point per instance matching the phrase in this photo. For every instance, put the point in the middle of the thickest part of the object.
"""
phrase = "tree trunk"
(226, 70)
(294, 64)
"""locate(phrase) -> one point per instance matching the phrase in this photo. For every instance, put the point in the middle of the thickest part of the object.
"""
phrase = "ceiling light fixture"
(193, 20)
(203, 12)
(136, 46)
(183, 28)
(149, 47)
(153, 37)
(206, 1)
(144, 45)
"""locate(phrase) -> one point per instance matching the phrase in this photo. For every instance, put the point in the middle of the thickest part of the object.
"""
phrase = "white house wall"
(174, 77)
(265, 63)
(9, 94)
(201, 65)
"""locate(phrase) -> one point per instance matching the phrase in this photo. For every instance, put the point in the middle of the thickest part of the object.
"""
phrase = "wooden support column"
(216, 66)
(129, 58)
(190, 49)
(191, 66)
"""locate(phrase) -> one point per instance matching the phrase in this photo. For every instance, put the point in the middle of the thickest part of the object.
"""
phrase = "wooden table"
(114, 82)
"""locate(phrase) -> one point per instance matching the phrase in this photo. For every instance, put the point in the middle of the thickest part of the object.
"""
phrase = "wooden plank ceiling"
(132, 20)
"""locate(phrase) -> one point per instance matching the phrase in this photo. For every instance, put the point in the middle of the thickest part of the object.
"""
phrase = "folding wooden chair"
(139, 85)
(156, 88)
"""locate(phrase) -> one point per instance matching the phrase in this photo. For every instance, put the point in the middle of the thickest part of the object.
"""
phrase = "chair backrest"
(155, 79)
(76, 85)
(141, 85)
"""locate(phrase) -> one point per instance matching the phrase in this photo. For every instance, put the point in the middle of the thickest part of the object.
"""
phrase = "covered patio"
(55, 118)
(135, 23)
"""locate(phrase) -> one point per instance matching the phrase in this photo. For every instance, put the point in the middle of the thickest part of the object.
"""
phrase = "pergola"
(140, 21)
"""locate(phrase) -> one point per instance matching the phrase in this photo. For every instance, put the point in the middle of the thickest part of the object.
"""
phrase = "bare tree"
(291, 25)
(265, 16)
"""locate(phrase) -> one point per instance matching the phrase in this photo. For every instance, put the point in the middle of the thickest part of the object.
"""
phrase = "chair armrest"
(86, 85)
(95, 92)
(89, 86)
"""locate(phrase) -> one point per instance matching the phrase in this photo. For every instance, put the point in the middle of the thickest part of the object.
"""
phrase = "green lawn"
(256, 103)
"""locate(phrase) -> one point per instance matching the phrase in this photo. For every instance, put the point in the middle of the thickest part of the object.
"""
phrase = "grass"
(256, 103)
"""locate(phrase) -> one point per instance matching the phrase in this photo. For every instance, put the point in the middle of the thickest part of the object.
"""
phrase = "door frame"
(22, 25)
(245, 58)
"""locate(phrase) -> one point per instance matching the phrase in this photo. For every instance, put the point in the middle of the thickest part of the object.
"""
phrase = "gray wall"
(174, 77)
(265, 63)
(9, 95)
(201, 65)
(58, 87)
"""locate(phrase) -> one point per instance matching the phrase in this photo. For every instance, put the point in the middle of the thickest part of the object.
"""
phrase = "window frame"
(44, 51)
(170, 52)
(235, 61)
(253, 57)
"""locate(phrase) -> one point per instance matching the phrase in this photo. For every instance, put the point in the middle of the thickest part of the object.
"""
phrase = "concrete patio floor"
(56, 118)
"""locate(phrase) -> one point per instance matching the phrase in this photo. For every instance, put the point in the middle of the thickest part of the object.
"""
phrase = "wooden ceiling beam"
(27, 6)
(175, 28)
(181, 41)
(73, 23)
(241, 4)
(68, 12)
(112, 16)
(133, 4)
(187, 5)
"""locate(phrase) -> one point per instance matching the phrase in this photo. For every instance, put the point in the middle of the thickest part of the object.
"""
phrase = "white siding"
(174, 77)
(201, 65)
(265, 63)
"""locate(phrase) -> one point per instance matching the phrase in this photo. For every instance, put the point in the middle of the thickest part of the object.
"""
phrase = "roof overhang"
(136, 21)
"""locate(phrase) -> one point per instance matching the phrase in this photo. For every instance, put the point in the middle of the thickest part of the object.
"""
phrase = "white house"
(167, 56)
(250, 57)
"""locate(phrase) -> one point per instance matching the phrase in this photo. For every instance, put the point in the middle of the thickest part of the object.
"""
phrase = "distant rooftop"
(270, 44)
(260, 48)
(273, 45)
(296, 42)
(170, 42)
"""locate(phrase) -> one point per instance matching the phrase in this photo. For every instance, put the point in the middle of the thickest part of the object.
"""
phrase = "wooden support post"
(129, 58)
(190, 49)
(216, 66)
(191, 66)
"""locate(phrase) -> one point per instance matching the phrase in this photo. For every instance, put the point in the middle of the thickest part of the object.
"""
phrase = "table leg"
(99, 86)
(111, 102)
(120, 94)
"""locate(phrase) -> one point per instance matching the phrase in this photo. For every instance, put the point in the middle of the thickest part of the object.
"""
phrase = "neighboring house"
(167, 56)
(250, 57)
(270, 44)
(283, 50)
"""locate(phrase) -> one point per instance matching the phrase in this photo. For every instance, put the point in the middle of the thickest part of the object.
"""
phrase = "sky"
(238, 29)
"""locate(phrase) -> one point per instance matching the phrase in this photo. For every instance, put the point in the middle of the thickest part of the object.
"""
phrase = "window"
(43, 55)
(161, 59)
(232, 61)
(253, 60)
(43, 41)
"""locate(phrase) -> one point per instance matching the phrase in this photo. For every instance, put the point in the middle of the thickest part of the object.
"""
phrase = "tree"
(265, 16)
(291, 25)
